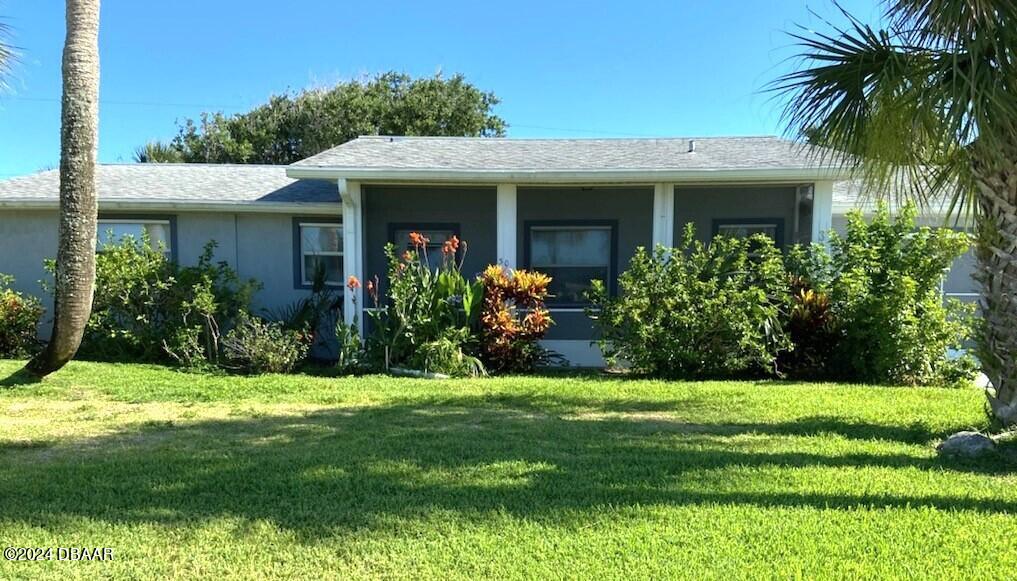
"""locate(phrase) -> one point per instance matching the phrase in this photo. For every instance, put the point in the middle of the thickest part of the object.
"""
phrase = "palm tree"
(158, 152)
(926, 108)
(79, 134)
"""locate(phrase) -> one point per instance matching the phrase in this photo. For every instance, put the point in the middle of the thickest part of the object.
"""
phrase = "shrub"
(513, 319)
(148, 308)
(19, 321)
(883, 280)
(427, 319)
(696, 310)
(257, 346)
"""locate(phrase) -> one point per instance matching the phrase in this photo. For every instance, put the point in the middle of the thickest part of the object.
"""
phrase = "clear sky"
(561, 68)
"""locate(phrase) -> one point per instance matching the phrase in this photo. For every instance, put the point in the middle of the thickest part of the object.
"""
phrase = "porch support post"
(822, 210)
(663, 215)
(353, 252)
(506, 227)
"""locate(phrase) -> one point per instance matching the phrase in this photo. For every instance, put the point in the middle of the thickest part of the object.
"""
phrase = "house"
(574, 208)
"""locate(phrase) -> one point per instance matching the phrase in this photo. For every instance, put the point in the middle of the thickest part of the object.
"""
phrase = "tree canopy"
(291, 127)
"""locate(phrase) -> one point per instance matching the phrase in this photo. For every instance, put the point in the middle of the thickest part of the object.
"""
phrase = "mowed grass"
(188, 475)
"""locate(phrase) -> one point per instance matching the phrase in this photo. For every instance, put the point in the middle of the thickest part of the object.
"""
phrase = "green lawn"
(296, 476)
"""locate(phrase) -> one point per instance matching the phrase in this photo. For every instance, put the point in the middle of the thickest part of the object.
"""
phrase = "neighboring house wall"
(28, 238)
(701, 205)
(630, 207)
(471, 210)
(258, 246)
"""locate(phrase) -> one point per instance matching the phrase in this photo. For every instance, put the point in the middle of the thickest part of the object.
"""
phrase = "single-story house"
(574, 208)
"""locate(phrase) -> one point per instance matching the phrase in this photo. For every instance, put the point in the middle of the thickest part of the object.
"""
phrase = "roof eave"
(186, 206)
(566, 176)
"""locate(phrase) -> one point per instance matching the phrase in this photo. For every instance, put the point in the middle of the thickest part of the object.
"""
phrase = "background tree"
(291, 127)
(927, 108)
(79, 136)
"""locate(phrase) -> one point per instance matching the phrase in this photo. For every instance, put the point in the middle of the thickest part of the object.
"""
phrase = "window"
(116, 230)
(436, 234)
(744, 228)
(320, 253)
(572, 255)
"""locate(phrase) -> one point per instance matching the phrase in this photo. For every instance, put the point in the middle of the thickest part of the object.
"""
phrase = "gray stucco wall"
(28, 238)
(472, 209)
(259, 246)
(702, 205)
(632, 207)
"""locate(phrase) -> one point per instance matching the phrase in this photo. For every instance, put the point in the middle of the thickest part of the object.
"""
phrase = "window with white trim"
(114, 231)
(321, 252)
(573, 256)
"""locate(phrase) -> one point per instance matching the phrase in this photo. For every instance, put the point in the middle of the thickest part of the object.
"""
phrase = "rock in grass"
(966, 445)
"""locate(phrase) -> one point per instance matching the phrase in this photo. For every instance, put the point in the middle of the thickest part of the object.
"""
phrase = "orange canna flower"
(418, 240)
(451, 246)
(407, 256)
(353, 283)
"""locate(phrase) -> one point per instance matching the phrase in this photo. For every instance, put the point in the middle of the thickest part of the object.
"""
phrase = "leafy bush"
(883, 280)
(148, 308)
(19, 321)
(513, 319)
(427, 320)
(257, 346)
(696, 310)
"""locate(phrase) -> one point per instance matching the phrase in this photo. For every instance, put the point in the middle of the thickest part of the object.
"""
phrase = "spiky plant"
(158, 152)
(927, 107)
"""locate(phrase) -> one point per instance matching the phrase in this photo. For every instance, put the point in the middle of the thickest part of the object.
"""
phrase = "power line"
(241, 107)
(129, 103)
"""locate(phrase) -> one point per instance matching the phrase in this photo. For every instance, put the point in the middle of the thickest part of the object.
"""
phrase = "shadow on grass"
(347, 469)
(20, 378)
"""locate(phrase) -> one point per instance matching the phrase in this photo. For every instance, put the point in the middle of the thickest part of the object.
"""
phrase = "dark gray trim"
(171, 218)
(779, 222)
(298, 279)
(612, 268)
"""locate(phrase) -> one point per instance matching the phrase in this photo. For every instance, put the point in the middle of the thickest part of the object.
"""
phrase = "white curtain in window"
(570, 247)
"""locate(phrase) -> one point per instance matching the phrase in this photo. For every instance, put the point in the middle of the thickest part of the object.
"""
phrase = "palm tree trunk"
(79, 135)
(997, 272)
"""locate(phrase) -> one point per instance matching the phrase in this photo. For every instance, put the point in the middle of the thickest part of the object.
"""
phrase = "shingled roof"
(170, 183)
(496, 154)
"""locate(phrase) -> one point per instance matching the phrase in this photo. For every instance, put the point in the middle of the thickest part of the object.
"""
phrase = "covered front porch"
(572, 231)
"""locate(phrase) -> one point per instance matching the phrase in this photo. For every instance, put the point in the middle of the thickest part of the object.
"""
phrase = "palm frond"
(158, 152)
(904, 113)
(7, 54)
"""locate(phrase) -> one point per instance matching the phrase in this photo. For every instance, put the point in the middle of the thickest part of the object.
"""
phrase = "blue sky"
(562, 69)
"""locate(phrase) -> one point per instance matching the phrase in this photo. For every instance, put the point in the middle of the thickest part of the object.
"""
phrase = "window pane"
(316, 239)
(330, 266)
(747, 230)
(159, 234)
(401, 238)
(569, 285)
(570, 247)
(116, 232)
